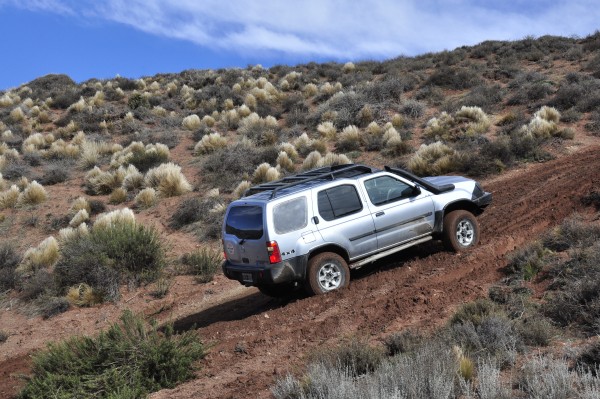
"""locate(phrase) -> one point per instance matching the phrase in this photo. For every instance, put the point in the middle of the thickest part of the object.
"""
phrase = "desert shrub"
(263, 131)
(9, 198)
(546, 377)
(117, 249)
(467, 122)
(208, 210)
(143, 157)
(573, 232)
(403, 342)
(453, 78)
(349, 139)
(226, 167)
(83, 295)
(475, 312)
(80, 217)
(593, 124)
(118, 196)
(146, 198)
(138, 100)
(104, 182)
(130, 359)
(210, 143)
(54, 174)
(434, 159)
(241, 188)
(43, 256)
(592, 199)
(526, 262)
(203, 263)
(412, 108)
(355, 355)
(535, 330)
(52, 306)
(168, 180)
(9, 260)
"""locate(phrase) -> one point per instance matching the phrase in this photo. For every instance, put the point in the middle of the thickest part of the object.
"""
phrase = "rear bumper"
(293, 269)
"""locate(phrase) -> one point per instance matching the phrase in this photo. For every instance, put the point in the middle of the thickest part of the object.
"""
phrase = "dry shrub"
(543, 125)
(146, 198)
(119, 217)
(83, 295)
(168, 180)
(210, 143)
(265, 173)
(133, 179)
(466, 122)
(284, 161)
(9, 198)
(191, 122)
(434, 159)
(33, 194)
(264, 131)
(118, 196)
(142, 157)
(79, 204)
(43, 256)
(70, 233)
(17, 115)
(312, 160)
(80, 217)
(289, 149)
(303, 144)
(241, 188)
(349, 139)
(327, 130)
(310, 90)
(100, 182)
(332, 159)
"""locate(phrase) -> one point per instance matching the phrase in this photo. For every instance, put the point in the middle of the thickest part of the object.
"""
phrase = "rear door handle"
(379, 214)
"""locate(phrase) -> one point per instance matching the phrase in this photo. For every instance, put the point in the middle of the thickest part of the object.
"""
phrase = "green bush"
(130, 360)
(204, 263)
(528, 261)
(110, 256)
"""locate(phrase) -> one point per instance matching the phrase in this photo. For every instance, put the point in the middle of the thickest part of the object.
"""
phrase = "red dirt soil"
(256, 339)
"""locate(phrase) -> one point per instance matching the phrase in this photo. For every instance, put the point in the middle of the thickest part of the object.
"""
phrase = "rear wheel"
(327, 271)
(461, 231)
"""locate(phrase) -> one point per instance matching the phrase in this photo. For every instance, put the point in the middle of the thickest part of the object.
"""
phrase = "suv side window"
(290, 215)
(386, 189)
(338, 201)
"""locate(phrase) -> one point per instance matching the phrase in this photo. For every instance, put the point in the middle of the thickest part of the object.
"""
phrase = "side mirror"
(416, 191)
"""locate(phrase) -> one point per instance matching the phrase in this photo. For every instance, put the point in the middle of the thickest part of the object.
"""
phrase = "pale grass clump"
(208, 120)
(7, 135)
(265, 173)
(3, 183)
(330, 89)
(17, 115)
(118, 196)
(81, 203)
(44, 255)
(146, 198)
(210, 143)
(212, 193)
(22, 183)
(254, 125)
(244, 111)
(230, 118)
(289, 149)
(236, 88)
(78, 106)
(4, 148)
(159, 111)
(6, 101)
(191, 122)
(350, 137)
(228, 104)
(70, 233)
(90, 153)
(33, 194)
(101, 182)
(389, 134)
(433, 159)
(168, 180)
(312, 160)
(80, 217)
(284, 161)
(118, 217)
(241, 188)
(83, 295)
(137, 151)
(133, 179)
(129, 117)
(154, 86)
(97, 100)
(476, 117)
(250, 101)
(332, 159)
(310, 90)
(374, 129)
(550, 114)
(327, 130)
(348, 67)
(62, 149)
(303, 143)
(78, 138)
(9, 198)
(543, 125)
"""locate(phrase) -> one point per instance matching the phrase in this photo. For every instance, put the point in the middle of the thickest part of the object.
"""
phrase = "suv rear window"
(245, 222)
(338, 201)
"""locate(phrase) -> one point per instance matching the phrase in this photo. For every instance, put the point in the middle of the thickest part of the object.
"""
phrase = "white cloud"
(337, 28)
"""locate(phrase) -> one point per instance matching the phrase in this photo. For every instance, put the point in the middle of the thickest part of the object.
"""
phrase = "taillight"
(224, 250)
(273, 251)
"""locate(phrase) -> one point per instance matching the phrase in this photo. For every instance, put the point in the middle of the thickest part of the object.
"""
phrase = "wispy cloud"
(336, 28)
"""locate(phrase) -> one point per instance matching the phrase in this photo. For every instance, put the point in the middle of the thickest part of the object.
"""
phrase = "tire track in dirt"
(418, 288)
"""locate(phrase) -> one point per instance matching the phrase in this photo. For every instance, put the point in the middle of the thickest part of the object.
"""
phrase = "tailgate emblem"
(229, 248)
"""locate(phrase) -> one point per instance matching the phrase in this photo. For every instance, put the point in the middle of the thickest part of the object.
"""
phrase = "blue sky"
(133, 38)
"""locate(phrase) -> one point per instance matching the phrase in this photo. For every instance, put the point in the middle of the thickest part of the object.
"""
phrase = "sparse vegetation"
(132, 358)
(203, 263)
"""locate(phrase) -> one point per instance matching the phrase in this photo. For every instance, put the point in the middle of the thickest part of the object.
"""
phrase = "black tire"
(461, 231)
(278, 290)
(326, 272)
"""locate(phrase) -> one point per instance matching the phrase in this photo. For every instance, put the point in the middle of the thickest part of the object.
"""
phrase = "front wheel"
(327, 271)
(461, 231)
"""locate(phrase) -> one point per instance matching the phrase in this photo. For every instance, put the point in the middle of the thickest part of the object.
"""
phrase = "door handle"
(379, 214)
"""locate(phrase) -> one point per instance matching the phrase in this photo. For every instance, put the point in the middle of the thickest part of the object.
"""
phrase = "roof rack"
(327, 172)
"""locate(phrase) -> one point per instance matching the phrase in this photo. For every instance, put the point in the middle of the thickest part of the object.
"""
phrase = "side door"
(343, 218)
(401, 211)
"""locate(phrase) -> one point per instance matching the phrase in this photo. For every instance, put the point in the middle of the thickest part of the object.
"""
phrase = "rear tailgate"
(244, 239)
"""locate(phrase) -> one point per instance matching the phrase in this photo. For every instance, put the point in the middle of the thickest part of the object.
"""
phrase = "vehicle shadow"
(256, 303)
(236, 309)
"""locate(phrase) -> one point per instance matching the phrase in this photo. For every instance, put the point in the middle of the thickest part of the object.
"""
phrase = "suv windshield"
(245, 222)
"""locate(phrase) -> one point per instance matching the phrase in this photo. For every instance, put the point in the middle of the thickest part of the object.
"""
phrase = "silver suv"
(310, 229)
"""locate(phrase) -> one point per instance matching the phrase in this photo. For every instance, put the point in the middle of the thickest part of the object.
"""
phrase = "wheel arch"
(330, 248)
(453, 206)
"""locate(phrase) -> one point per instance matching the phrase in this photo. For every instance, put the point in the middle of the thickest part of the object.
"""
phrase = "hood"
(442, 180)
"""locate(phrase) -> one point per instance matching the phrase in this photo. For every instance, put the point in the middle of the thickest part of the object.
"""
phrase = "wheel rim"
(465, 232)
(330, 276)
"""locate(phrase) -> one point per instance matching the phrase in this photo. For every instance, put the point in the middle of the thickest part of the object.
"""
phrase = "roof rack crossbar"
(328, 172)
